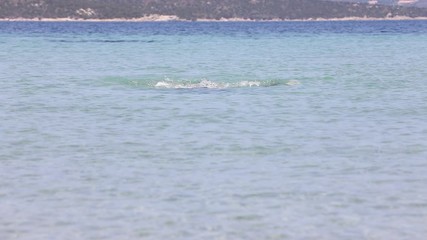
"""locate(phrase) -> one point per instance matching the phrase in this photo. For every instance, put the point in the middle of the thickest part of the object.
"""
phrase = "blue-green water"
(294, 130)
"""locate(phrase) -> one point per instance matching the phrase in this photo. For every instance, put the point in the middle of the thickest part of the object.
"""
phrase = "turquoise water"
(295, 130)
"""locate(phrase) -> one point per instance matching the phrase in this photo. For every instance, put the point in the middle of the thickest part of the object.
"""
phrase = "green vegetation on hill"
(200, 9)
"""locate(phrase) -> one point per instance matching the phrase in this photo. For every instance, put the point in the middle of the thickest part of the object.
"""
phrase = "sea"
(213, 130)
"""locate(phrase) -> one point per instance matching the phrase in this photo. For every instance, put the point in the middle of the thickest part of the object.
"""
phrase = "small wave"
(205, 84)
(220, 85)
(201, 84)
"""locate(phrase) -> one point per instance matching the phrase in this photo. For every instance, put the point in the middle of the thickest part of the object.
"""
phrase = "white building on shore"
(406, 2)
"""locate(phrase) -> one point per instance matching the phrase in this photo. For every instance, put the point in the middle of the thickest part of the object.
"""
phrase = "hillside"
(200, 9)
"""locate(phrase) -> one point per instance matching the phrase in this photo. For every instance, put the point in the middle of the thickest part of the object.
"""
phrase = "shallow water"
(295, 130)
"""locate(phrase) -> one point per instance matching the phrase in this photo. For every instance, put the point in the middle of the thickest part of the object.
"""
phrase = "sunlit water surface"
(295, 130)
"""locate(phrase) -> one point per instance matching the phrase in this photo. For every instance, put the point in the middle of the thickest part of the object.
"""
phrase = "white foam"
(167, 83)
(178, 85)
(207, 84)
(162, 84)
(249, 84)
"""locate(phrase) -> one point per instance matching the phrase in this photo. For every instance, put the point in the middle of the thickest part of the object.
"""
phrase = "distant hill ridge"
(202, 9)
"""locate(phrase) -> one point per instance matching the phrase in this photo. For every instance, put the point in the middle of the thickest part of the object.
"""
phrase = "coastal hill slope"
(202, 9)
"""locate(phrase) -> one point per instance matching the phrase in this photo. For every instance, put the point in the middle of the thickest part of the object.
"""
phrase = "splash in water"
(205, 84)
(219, 85)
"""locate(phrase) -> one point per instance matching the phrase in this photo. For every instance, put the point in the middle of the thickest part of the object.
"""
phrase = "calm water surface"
(294, 130)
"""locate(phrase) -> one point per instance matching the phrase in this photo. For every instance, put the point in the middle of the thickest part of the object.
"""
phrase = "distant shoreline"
(170, 18)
